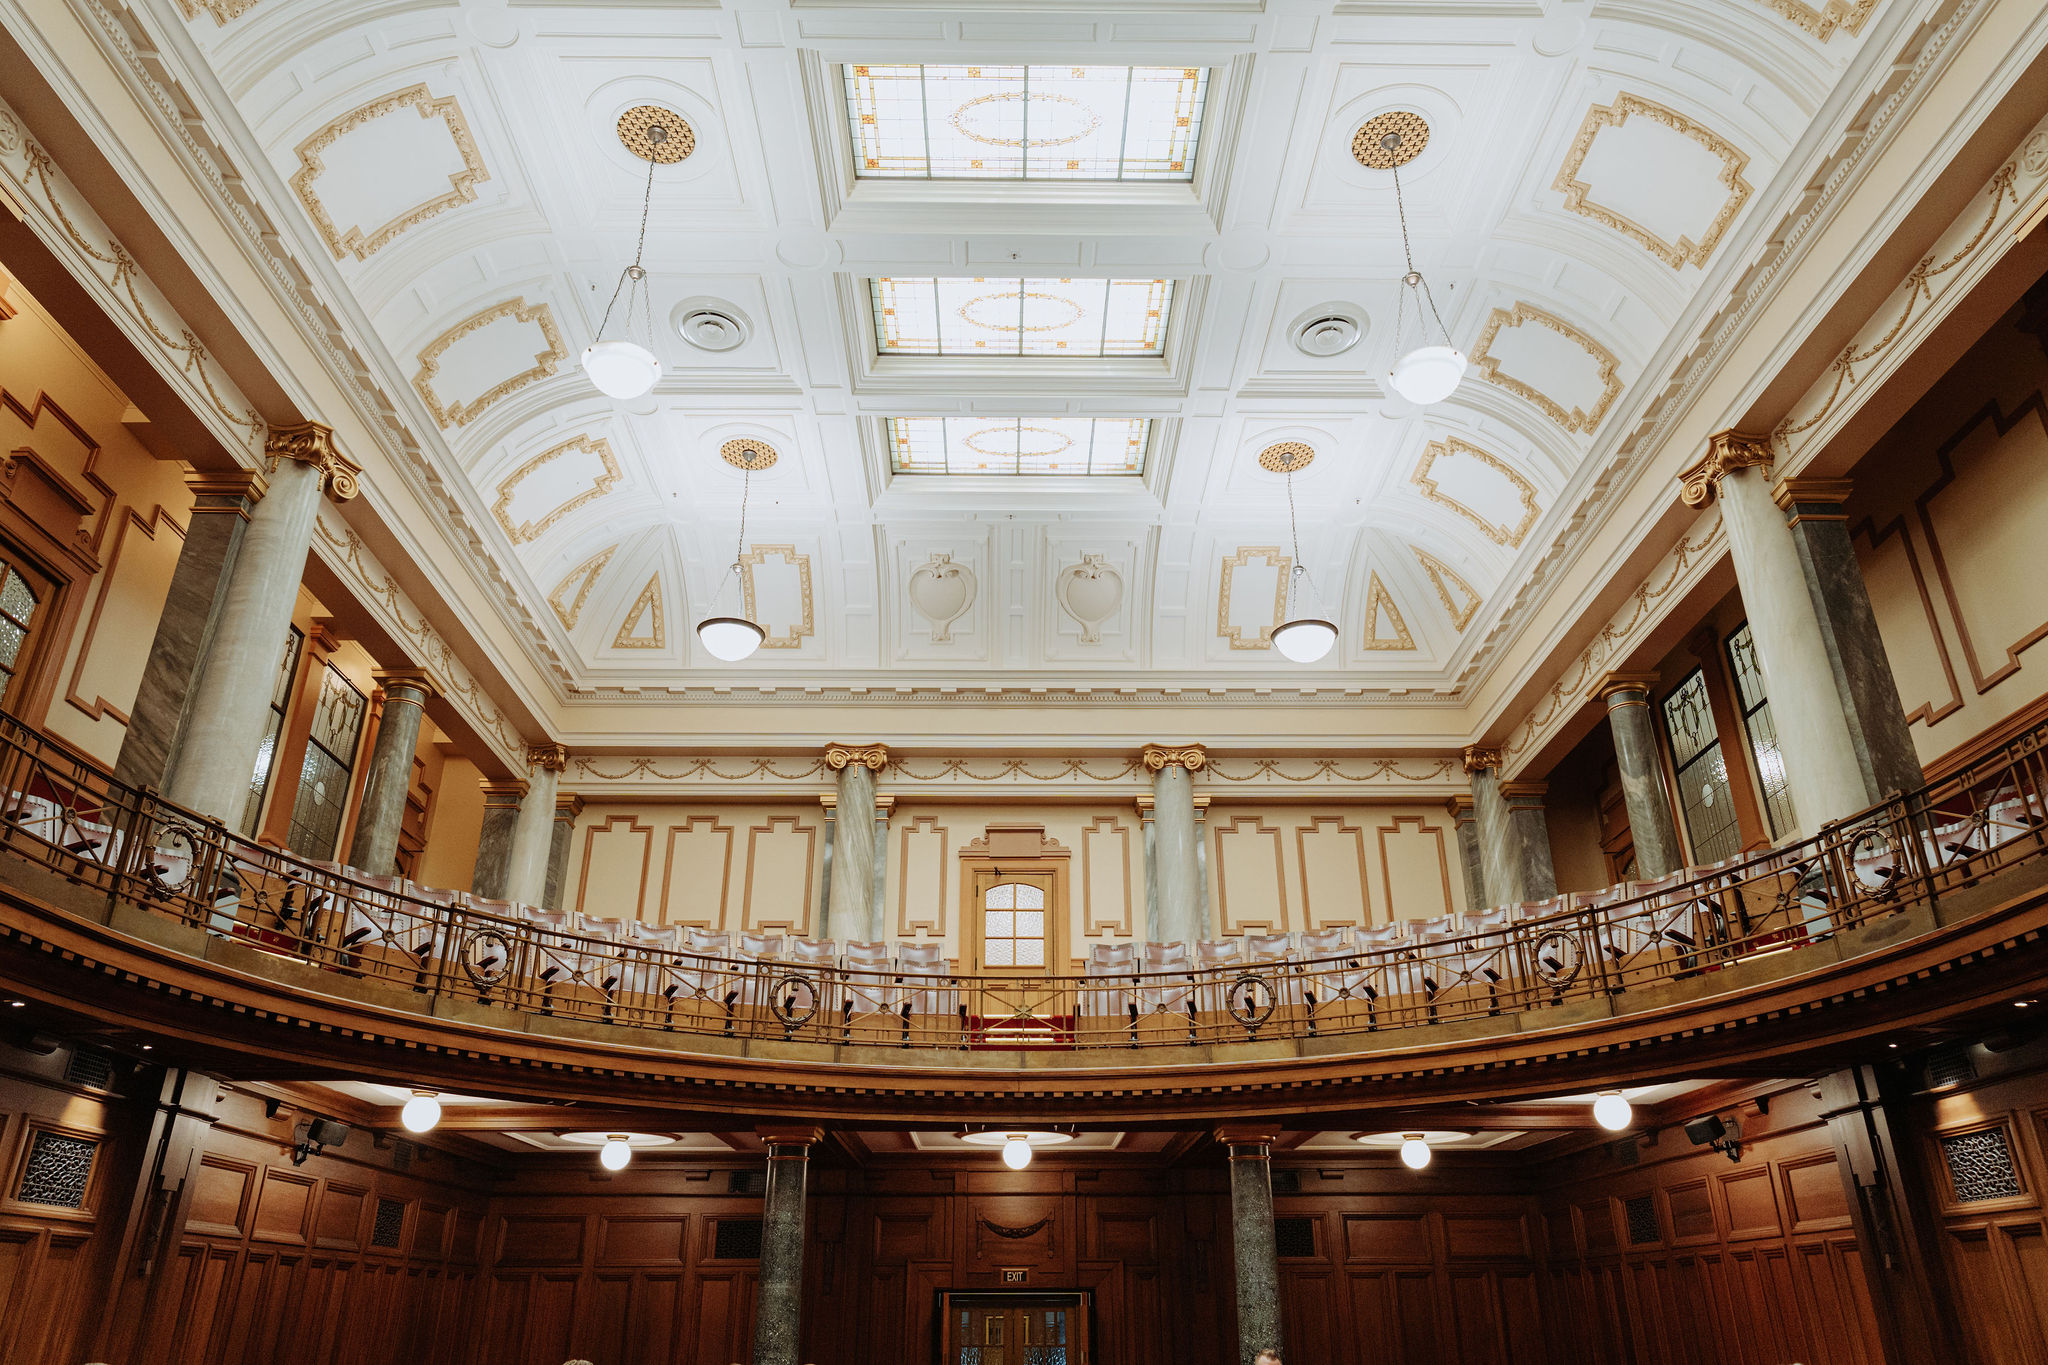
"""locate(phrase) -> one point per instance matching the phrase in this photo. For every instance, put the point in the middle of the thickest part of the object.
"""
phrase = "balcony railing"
(73, 819)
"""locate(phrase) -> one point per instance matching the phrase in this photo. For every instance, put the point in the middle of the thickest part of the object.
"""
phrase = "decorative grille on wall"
(747, 1182)
(1294, 1236)
(1949, 1066)
(90, 1068)
(389, 1229)
(57, 1171)
(1642, 1219)
(737, 1239)
(1980, 1166)
(1287, 1182)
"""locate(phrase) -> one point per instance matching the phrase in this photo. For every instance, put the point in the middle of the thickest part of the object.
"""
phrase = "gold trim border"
(1437, 571)
(1499, 534)
(1242, 559)
(648, 600)
(1577, 193)
(527, 531)
(544, 364)
(1378, 599)
(1574, 419)
(462, 184)
(585, 576)
(759, 555)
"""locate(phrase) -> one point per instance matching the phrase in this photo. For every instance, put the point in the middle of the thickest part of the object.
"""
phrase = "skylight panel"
(1025, 122)
(995, 317)
(1070, 446)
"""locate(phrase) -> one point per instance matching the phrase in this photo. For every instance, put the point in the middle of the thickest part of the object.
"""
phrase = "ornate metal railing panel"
(71, 818)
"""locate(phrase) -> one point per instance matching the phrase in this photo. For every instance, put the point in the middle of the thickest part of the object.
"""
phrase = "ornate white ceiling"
(1592, 175)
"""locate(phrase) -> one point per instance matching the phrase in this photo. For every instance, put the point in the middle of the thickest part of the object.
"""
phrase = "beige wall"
(1947, 518)
(454, 825)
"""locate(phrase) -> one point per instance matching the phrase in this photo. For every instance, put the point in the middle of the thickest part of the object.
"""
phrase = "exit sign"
(1015, 1276)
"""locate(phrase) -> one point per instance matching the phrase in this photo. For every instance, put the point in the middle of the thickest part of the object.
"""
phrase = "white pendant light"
(615, 1153)
(731, 638)
(421, 1112)
(1427, 373)
(1612, 1111)
(1017, 1152)
(1414, 1151)
(620, 368)
(1306, 638)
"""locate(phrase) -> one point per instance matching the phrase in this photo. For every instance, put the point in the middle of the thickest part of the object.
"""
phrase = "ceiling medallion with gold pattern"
(753, 456)
(655, 134)
(1286, 457)
(1391, 139)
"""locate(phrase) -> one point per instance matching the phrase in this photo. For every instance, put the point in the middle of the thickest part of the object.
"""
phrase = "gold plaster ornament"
(1478, 758)
(551, 757)
(655, 134)
(1571, 419)
(752, 456)
(1371, 146)
(461, 185)
(312, 443)
(1189, 756)
(873, 757)
(1578, 194)
(1727, 451)
(1287, 456)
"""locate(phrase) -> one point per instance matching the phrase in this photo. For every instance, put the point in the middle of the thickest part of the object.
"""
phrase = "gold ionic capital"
(552, 757)
(873, 757)
(1479, 757)
(417, 678)
(1190, 756)
(1727, 451)
(1614, 684)
(312, 443)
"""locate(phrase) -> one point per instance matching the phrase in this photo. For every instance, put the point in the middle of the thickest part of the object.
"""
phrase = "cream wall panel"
(1336, 867)
(1330, 850)
(1415, 867)
(1112, 878)
(616, 855)
(920, 847)
(1248, 879)
(780, 887)
(696, 872)
(449, 859)
(728, 868)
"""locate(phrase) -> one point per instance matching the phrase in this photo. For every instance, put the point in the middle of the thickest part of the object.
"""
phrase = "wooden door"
(1020, 1331)
(1016, 925)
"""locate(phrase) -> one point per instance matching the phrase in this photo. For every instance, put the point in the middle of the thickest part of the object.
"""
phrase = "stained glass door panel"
(1002, 1330)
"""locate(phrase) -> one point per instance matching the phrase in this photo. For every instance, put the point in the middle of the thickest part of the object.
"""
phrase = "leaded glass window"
(1703, 794)
(1005, 317)
(1755, 703)
(1073, 446)
(18, 602)
(1025, 122)
(266, 755)
(1013, 925)
(330, 758)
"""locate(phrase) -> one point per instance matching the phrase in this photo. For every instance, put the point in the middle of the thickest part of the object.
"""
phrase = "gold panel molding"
(461, 185)
(545, 362)
(221, 11)
(636, 127)
(1448, 587)
(1231, 564)
(1727, 451)
(1287, 456)
(649, 600)
(1378, 602)
(1836, 16)
(1571, 419)
(526, 531)
(1500, 533)
(1577, 193)
(805, 624)
(583, 577)
(1368, 143)
(311, 443)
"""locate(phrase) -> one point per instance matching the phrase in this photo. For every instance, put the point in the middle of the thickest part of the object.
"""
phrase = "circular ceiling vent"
(1327, 331)
(1392, 139)
(711, 326)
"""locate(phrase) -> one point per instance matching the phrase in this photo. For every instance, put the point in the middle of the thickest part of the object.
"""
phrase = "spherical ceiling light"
(1427, 374)
(1414, 1151)
(1306, 640)
(621, 369)
(729, 638)
(1611, 1110)
(615, 1153)
(1017, 1152)
(421, 1112)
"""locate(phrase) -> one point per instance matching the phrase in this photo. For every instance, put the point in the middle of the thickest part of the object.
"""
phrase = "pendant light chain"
(1298, 570)
(1414, 279)
(635, 272)
(746, 480)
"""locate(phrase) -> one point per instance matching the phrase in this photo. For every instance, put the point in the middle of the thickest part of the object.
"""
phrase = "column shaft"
(1500, 868)
(1652, 827)
(389, 781)
(228, 708)
(494, 841)
(1257, 1255)
(221, 508)
(1177, 873)
(1822, 770)
(1848, 628)
(533, 831)
(1148, 857)
(1529, 826)
(778, 1304)
(853, 855)
(567, 808)
(1460, 808)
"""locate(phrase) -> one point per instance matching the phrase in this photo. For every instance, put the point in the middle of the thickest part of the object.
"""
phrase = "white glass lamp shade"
(1611, 1110)
(730, 638)
(1428, 374)
(421, 1112)
(1414, 1152)
(615, 1153)
(1305, 640)
(620, 368)
(1017, 1153)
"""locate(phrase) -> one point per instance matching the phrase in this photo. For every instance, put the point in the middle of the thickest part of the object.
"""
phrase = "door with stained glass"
(1015, 932)
(1002, 1330)
(24, 600)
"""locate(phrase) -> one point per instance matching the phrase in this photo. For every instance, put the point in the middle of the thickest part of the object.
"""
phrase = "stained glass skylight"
(1020, 317)
(1025, 122)
(1028, 445)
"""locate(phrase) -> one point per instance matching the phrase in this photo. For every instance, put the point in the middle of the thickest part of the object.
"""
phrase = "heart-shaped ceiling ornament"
(942, 591)
(1090, 592)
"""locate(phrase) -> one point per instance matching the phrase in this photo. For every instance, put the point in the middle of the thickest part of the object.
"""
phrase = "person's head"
(1269, 1356)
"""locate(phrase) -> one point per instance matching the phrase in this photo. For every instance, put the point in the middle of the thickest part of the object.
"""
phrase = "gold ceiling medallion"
(1287, 456)
(1578, 194)
(1391, 139)
(752, 456)
(655, 134)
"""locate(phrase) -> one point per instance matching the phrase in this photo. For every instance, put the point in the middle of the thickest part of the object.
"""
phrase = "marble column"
(1822, 770)
(387, 784)
(878, 915)
(851, 906)
(1460, 808)
(228, 708)
(221, 506)
(1148, 859)
(1651, 825)
(1176, 866)
(567, 808)
(1863, 672)
(1257, 1256)
(494, 841)
(533, 828)
(778, 1302)
(1529, 825)
(1500, 869)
